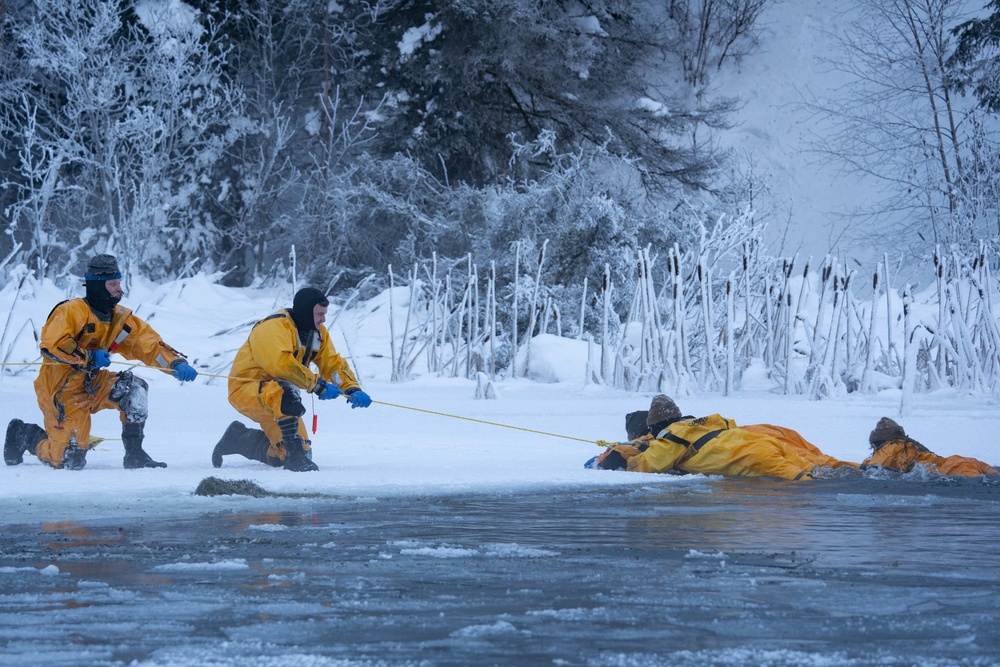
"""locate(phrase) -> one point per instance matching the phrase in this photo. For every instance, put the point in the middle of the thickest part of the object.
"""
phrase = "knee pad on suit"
(291, 401)
(131, 393)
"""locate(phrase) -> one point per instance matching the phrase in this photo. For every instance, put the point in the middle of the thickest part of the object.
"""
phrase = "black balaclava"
(635, 424)
(101, 269)
(301, 311)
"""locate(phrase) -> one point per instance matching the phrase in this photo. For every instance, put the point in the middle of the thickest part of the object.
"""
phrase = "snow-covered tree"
(295, 61)
(185, 133)
(463, 77)
(130, 116)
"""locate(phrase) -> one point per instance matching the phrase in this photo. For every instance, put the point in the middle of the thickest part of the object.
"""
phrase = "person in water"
(892, 449)
(713, 445)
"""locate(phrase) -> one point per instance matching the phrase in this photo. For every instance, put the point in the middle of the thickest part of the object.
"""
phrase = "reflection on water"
(72, 534)
(845, 524)
(845, 571)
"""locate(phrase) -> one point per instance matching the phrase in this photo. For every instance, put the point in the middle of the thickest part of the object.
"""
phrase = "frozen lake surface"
(847, 571)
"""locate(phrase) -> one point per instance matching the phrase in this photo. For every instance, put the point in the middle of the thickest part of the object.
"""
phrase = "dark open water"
(726, 572)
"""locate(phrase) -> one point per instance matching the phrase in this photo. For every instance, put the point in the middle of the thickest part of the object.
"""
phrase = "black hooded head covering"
(635, 424)
(301, 311)
(100, 270)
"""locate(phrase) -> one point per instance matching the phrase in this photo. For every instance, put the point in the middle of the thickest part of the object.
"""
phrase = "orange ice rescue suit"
(77, 340)
(892, 449)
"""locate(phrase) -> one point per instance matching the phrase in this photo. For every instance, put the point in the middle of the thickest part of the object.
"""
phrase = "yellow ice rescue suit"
(69, 392)
(275, 354)
(714, 445)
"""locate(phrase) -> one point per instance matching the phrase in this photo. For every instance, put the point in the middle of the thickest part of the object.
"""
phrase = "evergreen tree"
(976, 60)
(464, 78)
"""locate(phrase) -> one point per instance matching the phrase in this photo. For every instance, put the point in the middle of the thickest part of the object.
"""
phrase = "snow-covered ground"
(399, 446)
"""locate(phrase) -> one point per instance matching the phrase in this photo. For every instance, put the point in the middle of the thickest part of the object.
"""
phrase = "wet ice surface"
(720, 572)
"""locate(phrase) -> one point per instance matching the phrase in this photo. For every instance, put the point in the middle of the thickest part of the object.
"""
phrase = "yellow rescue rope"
(600, 443)
(483, 421)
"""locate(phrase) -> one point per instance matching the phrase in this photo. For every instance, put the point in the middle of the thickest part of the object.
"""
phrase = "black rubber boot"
(74, 458)
(238, 439)
(231, 442)
(296, 458)
(135, 455)
(21, 438)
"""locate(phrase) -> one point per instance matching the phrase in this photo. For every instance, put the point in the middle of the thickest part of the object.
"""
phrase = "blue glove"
(184, 372)
(359, 399)
(99, 359)
(326, 390)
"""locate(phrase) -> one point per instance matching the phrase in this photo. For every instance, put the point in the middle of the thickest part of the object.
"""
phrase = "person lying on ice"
(267, 374)
(712, 445)
(892, 449)
(636, 428)
(77, 341)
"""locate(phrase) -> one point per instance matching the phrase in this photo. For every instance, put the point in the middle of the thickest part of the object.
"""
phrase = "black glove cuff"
(613, 461)
(319, 388)
(352, 390)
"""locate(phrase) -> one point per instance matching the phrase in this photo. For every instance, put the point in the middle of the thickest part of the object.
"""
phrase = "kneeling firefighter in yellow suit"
(894, 450)
(267, 374)
(713, 445)
(78, 339)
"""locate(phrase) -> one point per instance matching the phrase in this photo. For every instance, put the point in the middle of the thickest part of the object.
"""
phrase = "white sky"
(773, 129)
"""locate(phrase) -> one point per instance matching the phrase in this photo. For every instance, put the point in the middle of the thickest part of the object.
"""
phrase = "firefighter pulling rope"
(77, 341)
